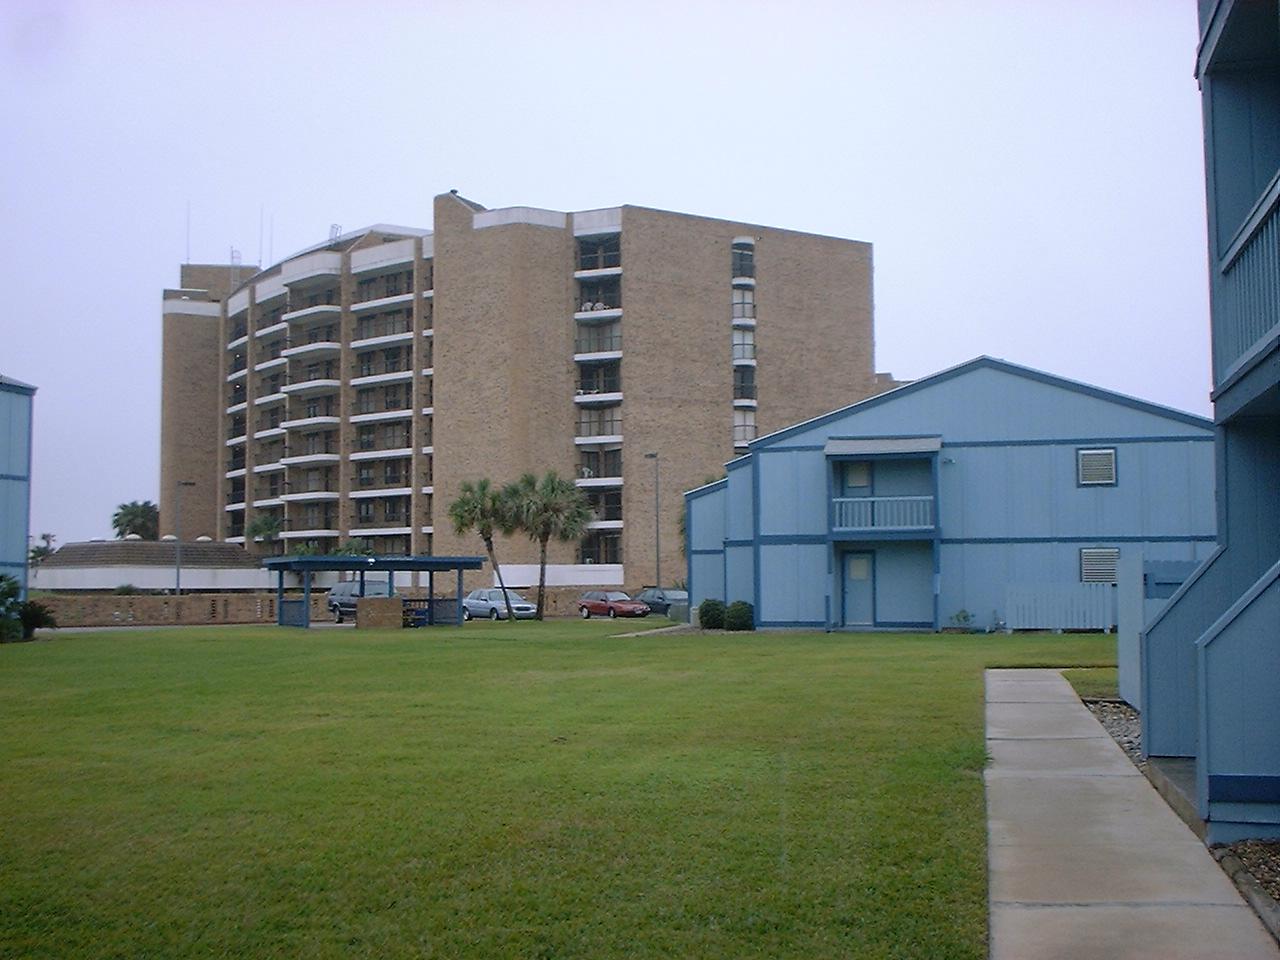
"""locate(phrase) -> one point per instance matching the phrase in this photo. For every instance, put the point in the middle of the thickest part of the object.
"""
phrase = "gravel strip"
(1124, 724)
(1262, 859)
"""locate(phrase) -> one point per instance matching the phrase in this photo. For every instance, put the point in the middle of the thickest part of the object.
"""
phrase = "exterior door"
(859, 583)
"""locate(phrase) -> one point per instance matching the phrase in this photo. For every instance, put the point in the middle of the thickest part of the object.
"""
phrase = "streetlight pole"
(657, 520)
(177, 532)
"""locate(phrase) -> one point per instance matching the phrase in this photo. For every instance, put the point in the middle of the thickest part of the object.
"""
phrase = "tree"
(548, 507)
(264, 527)
(142, 518)
(481, 508)
(42, 549)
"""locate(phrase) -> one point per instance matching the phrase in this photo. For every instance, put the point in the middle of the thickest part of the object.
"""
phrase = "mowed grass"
(1095, 682)
(542, 790)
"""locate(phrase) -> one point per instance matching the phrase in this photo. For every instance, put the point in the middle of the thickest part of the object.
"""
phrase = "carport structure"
(297, 613)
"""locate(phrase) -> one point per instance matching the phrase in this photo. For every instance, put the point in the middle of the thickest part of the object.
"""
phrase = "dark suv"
(660, 599)
(343, 597)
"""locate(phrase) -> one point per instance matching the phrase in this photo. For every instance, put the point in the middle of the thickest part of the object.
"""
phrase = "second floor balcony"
(871, 517)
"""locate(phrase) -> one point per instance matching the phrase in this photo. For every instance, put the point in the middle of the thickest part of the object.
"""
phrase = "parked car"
(343, 597)
(660, 599)
(489, 603)
(610, 603)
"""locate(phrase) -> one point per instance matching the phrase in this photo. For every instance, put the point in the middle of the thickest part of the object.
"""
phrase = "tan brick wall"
(104, 610)
(379, 613)
(503, 365)
(191, 442)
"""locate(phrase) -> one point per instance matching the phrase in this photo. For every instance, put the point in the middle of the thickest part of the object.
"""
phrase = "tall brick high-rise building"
(347, 391)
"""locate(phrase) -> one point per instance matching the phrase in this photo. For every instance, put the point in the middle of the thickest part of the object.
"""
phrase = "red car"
(612, 603)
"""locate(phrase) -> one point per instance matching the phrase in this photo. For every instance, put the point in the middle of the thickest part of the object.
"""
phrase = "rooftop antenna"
(335, 231)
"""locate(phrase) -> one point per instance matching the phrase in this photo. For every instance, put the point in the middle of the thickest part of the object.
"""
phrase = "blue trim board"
(1101, 539)
(705, 489)
(707, 552)
(993, 364)
(1262, 584)
(16, 566)
(1075, 441)
(16, 476)
(1230, 788)
(875, 534)
(776, 539)
(814, 624)
(755, 529)
(740, 542)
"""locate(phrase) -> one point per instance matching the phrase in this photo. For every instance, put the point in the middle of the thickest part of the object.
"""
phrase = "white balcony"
(397, 376)
(269, 468)
(744, 361)
(598, 316)
(429, 450)
(312, 266)
(744, 281)
(234, 506)
(382, 340)
(233, 540)
(605, 525)
(268, 400)
(368, 492)
(308, 534)
(598, 273)
(586, 398)
(744, 323)
(268, 433)
(275, 328)
(319, 385)
(271, 364)
(235, 375)
(238, 407)
(236, 441)
(311, 423)
(381, 415)
(309, 496)
(239, 341)
(320, 310)
(397, 453)
(380, 531)
(744, 403)
(318, 348)
(429, 488)
(233, 474)
(595, 482)
(427, 529)
(304, 458)
(590, 441)
(597, 356)
(385, 256)
(268, 502)
(428, 371)
(428, 411)
(382, 303)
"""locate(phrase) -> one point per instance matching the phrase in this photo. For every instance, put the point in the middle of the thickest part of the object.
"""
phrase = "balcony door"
(859, 589)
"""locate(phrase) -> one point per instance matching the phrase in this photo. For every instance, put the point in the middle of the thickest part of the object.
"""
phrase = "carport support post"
(431, 598)
(306, 598)
(280, 597)
(458, 599)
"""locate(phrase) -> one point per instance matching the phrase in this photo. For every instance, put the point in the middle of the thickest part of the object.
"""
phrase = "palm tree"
(142, 518)
(549, 507)
(43, 549)
(481, 508)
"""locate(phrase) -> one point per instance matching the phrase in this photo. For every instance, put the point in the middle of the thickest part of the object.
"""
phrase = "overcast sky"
(1029, 171)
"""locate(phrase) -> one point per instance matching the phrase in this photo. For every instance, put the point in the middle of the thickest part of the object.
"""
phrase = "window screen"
(1096, 468)
(1098, 564)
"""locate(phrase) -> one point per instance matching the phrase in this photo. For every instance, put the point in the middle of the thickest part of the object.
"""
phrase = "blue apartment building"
(989, 489)
(15, 477)
(1211, 657)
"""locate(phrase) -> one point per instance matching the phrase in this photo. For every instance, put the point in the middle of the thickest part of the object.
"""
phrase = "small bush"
(740, 615)
(34, 614)
(126, 590)
(711, 614)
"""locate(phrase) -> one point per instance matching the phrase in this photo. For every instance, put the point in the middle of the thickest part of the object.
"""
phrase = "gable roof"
(15, 386)
(150, 553)
(990, 363)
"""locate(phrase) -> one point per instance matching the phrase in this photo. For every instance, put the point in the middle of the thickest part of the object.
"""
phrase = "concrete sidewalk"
(1086, 860)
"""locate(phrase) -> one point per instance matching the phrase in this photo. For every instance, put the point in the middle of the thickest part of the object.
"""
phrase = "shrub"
(34, 614)
(10, 625)
(740, 615)
(126, 590)
(711, 614)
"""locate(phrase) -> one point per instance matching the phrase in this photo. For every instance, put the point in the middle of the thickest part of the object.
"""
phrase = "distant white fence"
(1060, 606)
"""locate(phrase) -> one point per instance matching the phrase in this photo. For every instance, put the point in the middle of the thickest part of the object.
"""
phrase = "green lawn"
(1095, 682)
(535, 791)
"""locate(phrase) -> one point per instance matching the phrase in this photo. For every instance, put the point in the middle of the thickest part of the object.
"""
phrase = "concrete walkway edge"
(1085, 858)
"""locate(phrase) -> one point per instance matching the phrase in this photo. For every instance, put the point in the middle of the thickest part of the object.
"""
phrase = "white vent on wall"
(1096, 468)
(1098, 564)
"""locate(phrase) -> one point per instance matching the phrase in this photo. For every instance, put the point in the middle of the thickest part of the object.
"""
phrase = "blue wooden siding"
(793, 579)
(15, 483)
(793, 493)
(904, 584)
